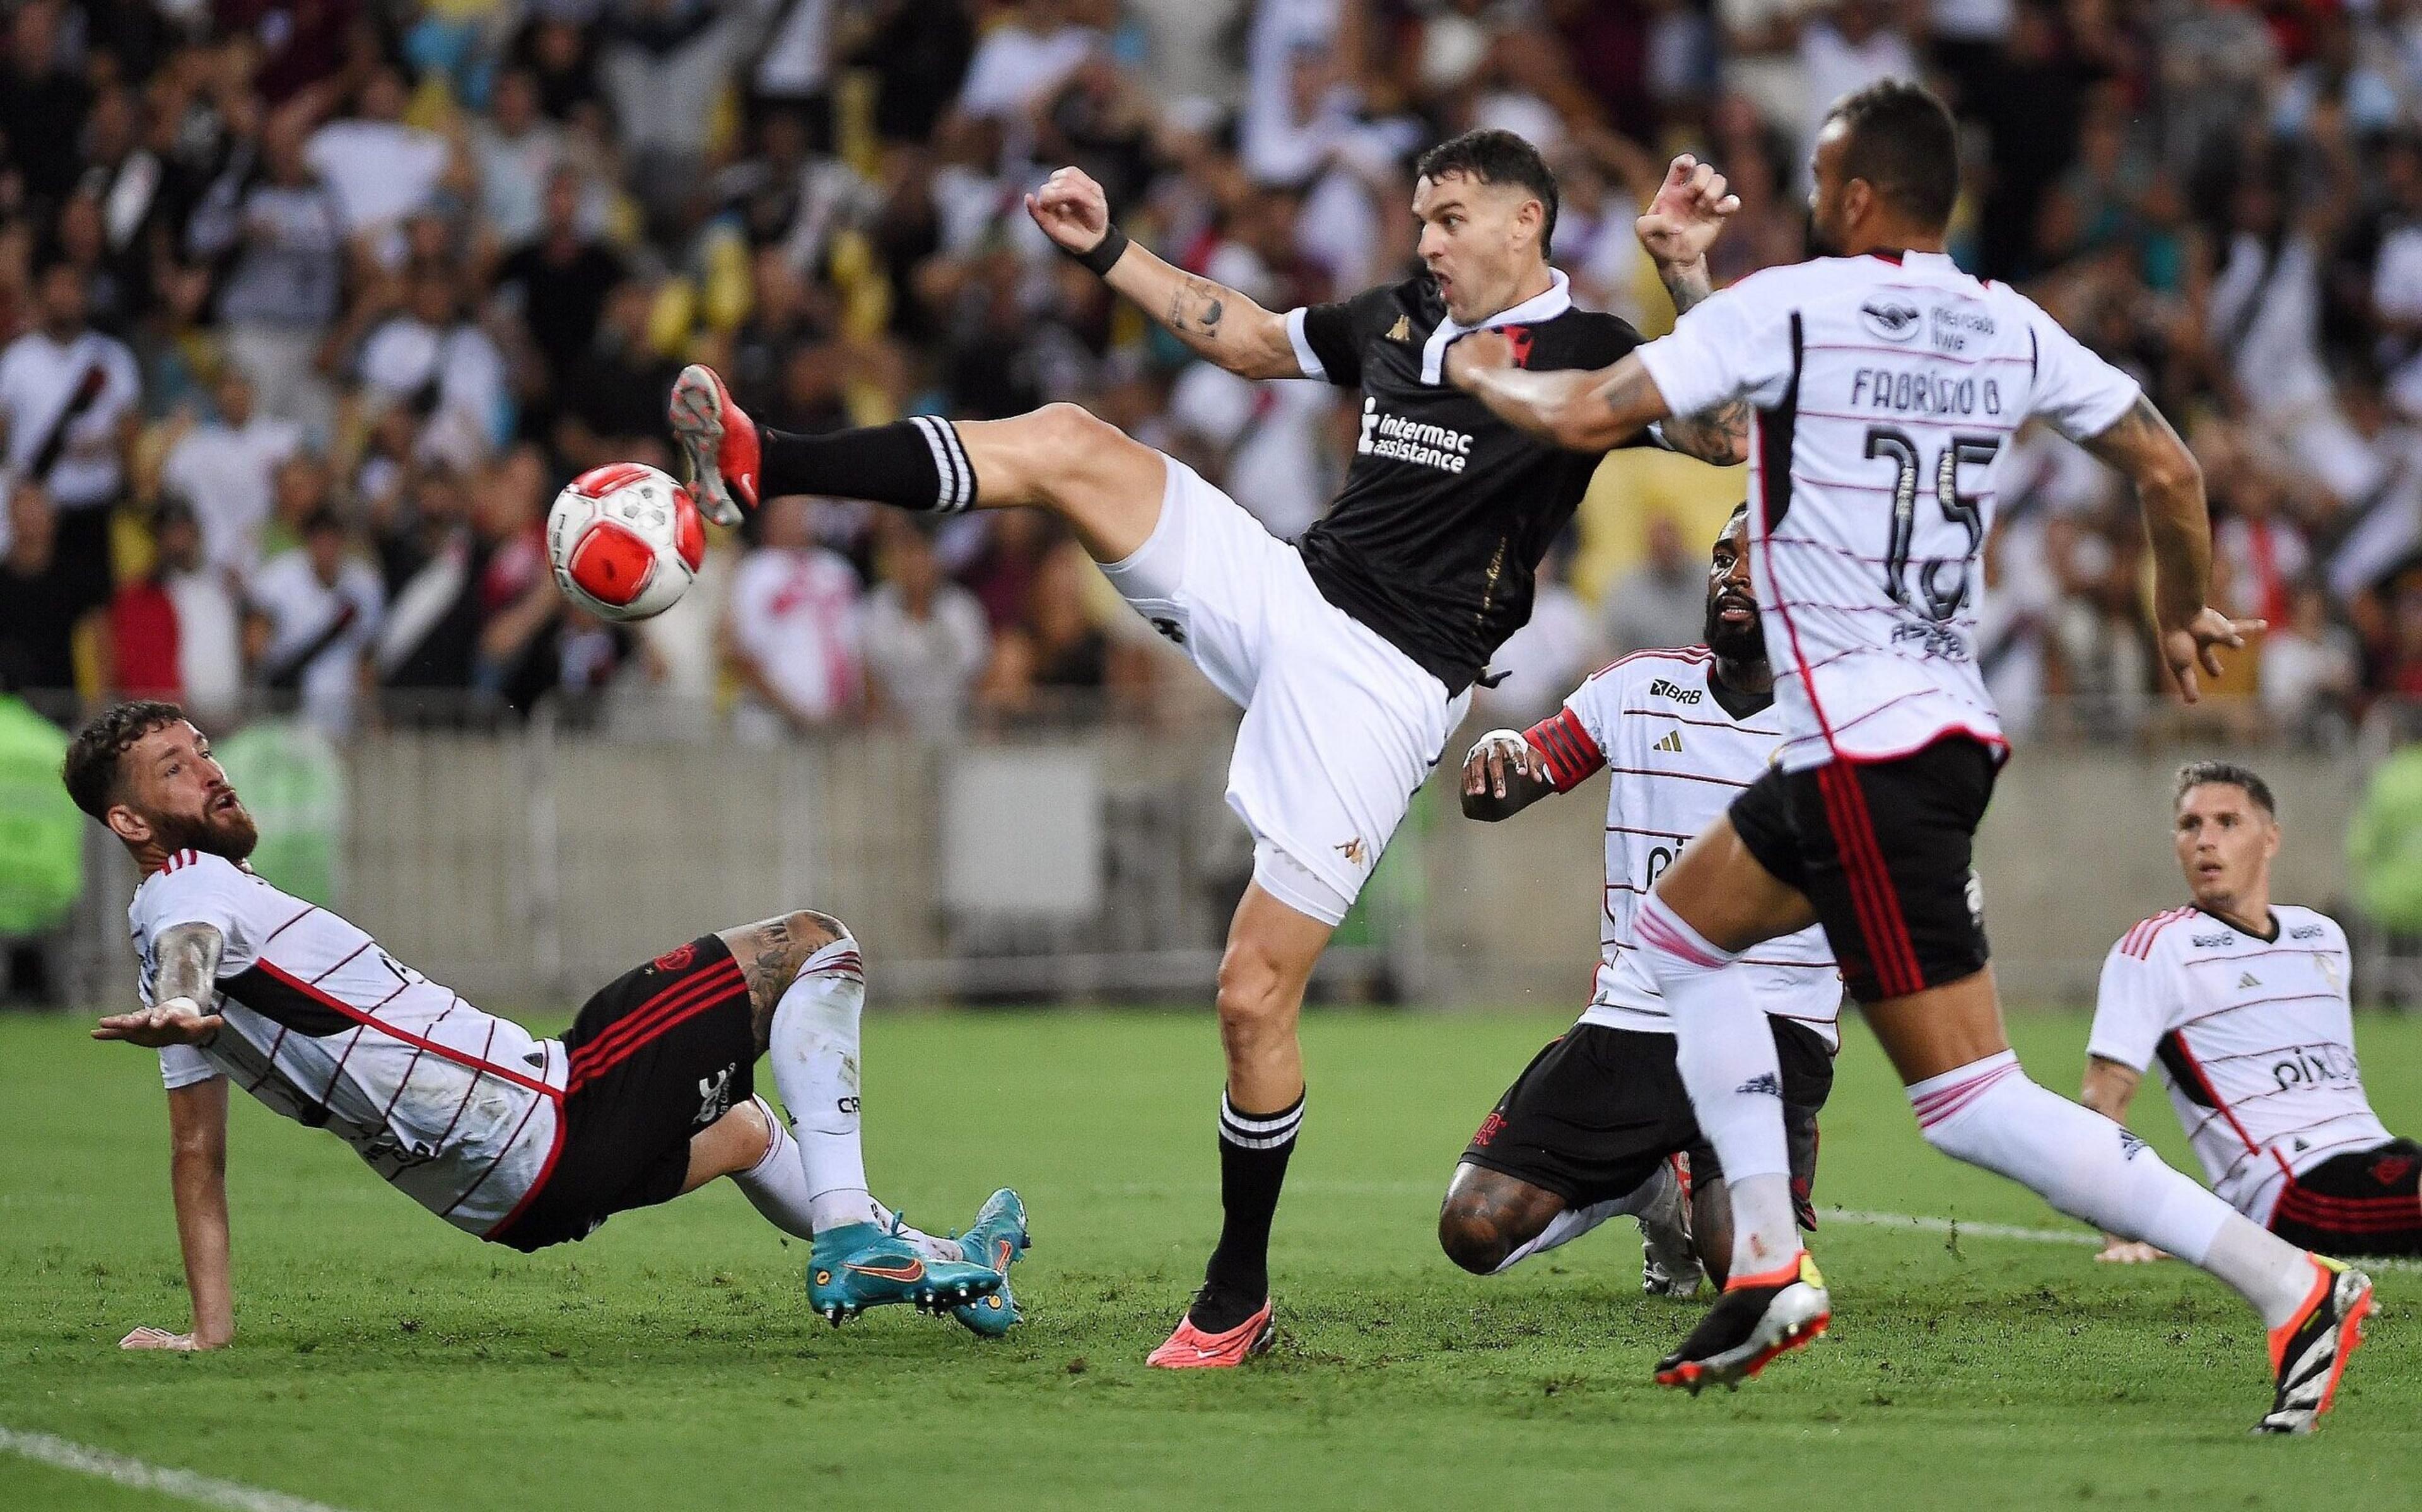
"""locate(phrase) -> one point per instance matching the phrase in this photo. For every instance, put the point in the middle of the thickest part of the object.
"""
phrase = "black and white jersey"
(2256, 1039)
(1886, 390)
(1678, 747)
(1447, 510)
(459, 1109)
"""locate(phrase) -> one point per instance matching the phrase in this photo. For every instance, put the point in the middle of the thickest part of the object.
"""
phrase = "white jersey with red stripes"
(2254, 1036)
(1886, 390)
(1676, 758)
(459, 1109)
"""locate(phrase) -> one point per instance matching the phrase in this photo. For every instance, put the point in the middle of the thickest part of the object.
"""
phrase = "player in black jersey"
(1353, 650)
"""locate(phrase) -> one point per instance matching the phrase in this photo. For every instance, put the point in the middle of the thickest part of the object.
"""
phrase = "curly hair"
(90, 769)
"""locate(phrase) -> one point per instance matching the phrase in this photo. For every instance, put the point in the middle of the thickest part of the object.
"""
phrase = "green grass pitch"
(385, 1362)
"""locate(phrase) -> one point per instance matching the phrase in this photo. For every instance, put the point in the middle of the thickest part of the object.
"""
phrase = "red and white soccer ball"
(625, 540)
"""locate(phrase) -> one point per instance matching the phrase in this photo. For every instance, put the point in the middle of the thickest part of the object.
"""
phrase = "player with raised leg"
(522, 1141)
(1352, 650)
(1886, 384)
(1590, 1128)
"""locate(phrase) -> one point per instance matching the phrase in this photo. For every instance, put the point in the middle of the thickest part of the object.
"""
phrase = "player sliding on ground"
(2244, 1003)
(1886, 383)
(1589, 1131)
(521, 1141)
(1352, 650)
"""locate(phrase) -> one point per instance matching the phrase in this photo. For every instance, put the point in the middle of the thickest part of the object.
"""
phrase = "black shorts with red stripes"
(655, 1057)
(1882, 850)
(2363, 1202)
(1599, 1109)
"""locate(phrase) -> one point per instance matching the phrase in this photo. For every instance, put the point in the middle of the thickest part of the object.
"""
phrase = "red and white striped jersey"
(459, 1109)
(1676, 759)
(1886, 390)
(2256, 1039)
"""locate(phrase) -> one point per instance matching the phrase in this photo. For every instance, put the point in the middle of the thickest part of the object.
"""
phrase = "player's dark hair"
(1900, 139)
(1495, 157)
(2196, 773)
(1740, 511)
(90, 769)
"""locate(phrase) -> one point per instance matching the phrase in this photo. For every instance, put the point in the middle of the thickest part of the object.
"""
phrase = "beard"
(228, 833)
(1734, 643)
(1817, 242)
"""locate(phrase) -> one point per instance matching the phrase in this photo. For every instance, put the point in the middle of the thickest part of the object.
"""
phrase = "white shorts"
(1340, 726)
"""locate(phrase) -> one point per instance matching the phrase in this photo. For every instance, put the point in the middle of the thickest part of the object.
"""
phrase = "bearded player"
(2244, 1003)
(523, 1142)
(1886, 384)
(1592, 1127)
(1352, 650)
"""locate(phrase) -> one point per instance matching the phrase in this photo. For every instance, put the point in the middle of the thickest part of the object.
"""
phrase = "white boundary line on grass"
(185, 1485)
(2366, 1263)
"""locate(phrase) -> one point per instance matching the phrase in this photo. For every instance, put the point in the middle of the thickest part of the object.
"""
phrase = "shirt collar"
(1543, 307)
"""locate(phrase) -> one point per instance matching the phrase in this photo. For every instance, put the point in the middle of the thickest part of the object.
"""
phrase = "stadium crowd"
(309, 305)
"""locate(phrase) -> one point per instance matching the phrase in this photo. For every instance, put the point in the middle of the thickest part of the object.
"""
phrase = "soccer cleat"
(1190, 1348)
(2309, 1353)
(1669, 1264)
(859, 1266)
(995, 1240)
(1756, 1318)
(718, 441)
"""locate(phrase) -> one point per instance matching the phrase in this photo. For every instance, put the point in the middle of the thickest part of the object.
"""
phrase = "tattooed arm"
(1583, 411)
(185, 964)
(1221, 326)
(1722, 434)
(2169, 489)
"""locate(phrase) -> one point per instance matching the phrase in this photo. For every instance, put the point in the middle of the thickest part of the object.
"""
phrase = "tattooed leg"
(770, 954)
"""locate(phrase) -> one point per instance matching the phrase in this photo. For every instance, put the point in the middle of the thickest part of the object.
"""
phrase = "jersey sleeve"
(184, 1066)
(1328, 337)
(2132, 1008)
(2080, 394)
(1572, 739)
(1736, 345)
(204, 889)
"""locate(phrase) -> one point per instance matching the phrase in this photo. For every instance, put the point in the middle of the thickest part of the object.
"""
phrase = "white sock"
(813, 1051)
(776, 1185)
(1573, 1223)
(1990, 1113)
(1725, 1053)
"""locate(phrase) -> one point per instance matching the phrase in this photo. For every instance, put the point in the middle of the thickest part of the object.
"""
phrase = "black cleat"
(1756, 1318)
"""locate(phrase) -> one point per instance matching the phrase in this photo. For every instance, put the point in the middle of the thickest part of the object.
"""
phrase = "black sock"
(916, 464)
(1253, 1151)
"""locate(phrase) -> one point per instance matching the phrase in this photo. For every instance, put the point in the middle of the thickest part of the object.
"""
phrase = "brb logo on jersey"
(1398, 439)
(1663, 689)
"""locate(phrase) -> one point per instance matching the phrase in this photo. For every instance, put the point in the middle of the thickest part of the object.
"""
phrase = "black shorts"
(658, 1055)
(2363, 1202)
(1882, 849)
(1598, 1111)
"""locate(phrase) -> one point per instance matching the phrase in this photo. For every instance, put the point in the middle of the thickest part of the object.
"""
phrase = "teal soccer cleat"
(859, 1266)
(995, 1240)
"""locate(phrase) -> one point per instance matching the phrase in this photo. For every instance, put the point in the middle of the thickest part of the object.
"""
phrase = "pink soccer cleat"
(1190, 1348)
(718, 441)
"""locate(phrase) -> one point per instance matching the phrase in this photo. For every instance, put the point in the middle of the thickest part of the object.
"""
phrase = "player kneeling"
(522, 1141)
(1591, 1129)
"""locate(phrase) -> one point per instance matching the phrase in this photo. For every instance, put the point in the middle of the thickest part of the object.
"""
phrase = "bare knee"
(1259, 997)
(1472, 1236)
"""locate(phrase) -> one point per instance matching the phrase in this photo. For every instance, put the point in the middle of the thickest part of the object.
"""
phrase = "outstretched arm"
(1220, 325)
(185, 964)
(1583, 411)
(2169, 489)
(197, 1180)
(1681, 223)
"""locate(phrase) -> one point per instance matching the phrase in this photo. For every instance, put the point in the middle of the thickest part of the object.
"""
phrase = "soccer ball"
(625, 540)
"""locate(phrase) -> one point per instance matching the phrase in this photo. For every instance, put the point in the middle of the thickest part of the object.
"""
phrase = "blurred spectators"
(793, 628)
(315, 610)
(411, 267)
(177, 633)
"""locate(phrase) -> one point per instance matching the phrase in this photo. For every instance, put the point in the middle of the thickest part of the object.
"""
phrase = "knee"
(1255, 994)
(1069, 431)
(810, 932)
(1472, 1238)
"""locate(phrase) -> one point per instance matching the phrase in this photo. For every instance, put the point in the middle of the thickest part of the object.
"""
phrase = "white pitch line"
(185, 1485)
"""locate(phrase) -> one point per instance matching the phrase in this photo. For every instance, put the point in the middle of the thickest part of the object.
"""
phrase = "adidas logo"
(1764, 1084)
(2248, 979)
(1673, 742)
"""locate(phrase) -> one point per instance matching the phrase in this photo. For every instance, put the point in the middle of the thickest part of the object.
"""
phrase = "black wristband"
(1105, 253)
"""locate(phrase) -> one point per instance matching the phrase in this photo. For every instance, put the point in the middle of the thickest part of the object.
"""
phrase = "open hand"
(175, 1021)
(1689, 210)
(1495, 754)
(1478, 352)
(2117, 1251)
(2198, 642)
(1072, 209)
